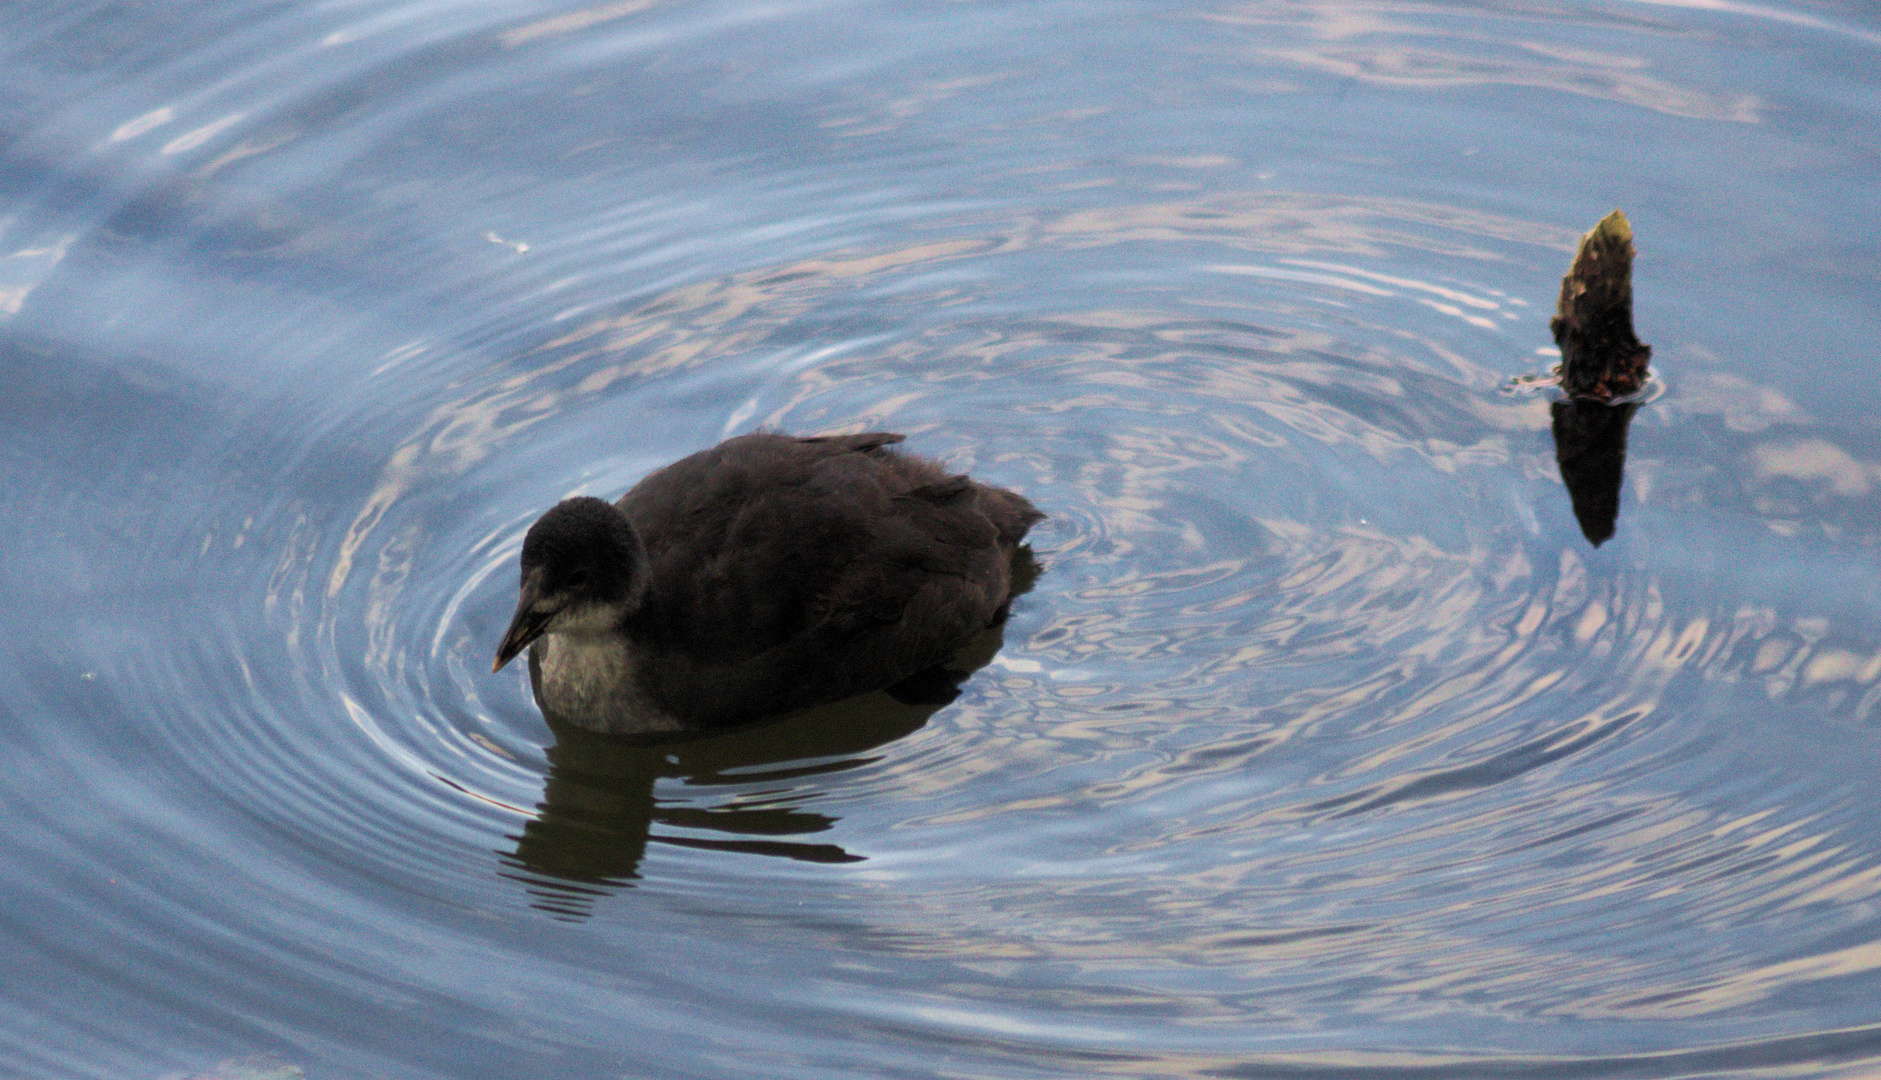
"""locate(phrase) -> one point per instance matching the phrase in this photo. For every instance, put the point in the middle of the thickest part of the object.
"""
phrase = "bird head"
(583, 571)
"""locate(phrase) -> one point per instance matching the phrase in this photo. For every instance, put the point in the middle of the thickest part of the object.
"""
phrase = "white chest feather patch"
(588, 680)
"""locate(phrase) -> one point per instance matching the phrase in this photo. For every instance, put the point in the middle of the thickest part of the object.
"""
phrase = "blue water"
(1325, 746)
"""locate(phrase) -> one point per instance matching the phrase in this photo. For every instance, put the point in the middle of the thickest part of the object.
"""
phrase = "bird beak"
(526, 626)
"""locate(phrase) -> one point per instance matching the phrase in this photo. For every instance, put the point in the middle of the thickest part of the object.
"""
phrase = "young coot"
(766, 574)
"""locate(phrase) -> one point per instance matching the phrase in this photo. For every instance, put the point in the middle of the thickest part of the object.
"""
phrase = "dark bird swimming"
(764, 575)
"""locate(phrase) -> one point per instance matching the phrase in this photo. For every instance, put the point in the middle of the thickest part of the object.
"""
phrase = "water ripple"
(1323, 745)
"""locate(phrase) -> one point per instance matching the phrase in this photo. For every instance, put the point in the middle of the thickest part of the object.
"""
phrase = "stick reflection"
(1590, 447)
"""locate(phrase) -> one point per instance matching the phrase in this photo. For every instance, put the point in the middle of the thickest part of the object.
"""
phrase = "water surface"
(1325, 746)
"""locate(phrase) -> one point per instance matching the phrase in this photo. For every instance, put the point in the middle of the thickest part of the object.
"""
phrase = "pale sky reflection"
(1481, 58)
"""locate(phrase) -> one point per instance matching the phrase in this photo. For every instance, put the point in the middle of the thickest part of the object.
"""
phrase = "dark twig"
(1601, 358)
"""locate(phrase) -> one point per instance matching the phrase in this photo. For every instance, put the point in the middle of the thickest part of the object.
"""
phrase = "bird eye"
(578, 579)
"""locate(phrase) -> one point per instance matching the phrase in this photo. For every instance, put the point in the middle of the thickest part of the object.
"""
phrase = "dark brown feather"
(788, 571)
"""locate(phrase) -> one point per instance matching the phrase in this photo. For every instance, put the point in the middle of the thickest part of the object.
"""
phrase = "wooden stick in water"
(1601, 357)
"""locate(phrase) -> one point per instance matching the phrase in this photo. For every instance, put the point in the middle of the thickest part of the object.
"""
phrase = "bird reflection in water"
(600, 806)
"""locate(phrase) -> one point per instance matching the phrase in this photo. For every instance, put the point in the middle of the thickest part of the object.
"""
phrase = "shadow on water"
(600, 806)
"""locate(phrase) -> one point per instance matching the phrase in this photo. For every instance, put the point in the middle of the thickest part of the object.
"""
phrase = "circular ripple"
(1323, 728)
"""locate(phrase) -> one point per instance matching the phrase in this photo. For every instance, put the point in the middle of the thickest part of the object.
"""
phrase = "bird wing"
(774, 558)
